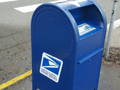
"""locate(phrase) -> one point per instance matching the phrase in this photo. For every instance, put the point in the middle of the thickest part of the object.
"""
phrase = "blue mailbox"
(67, 45)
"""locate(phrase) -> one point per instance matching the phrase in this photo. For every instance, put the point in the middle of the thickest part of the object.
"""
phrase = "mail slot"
(67, 45)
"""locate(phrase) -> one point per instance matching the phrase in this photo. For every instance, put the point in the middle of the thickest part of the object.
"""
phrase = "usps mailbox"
(67, 45)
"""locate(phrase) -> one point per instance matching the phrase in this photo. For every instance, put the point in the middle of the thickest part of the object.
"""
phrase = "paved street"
(15, 49)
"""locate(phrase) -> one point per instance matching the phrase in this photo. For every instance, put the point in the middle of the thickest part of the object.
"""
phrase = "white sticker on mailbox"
(85, 28)
(51, 67)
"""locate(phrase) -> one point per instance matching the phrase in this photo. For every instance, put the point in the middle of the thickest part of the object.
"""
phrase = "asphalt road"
(15, 49)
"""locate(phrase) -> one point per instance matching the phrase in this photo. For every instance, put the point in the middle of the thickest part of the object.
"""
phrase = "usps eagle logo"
(51, 67)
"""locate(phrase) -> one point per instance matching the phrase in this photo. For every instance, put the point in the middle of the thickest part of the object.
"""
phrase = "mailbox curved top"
(74, 12)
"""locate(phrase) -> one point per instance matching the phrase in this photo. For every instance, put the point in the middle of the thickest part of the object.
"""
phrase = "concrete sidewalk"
(115, 41)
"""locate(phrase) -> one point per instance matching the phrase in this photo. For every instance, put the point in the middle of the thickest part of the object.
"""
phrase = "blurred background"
(15, 47)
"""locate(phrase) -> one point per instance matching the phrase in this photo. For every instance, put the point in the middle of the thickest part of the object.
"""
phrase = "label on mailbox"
(85, 28)
(51, 67)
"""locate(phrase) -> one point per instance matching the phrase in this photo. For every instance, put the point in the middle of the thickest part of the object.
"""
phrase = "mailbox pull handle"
(90, 55)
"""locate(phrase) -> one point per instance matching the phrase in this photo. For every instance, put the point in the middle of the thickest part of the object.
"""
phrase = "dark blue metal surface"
(55, 30)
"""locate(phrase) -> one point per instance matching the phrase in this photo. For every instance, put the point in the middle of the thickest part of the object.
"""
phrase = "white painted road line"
(3, 1)
(116, 24)
(31, 8)
(27, 9)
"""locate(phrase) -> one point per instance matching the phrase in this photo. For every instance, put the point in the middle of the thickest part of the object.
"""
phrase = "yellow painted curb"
(15, 80)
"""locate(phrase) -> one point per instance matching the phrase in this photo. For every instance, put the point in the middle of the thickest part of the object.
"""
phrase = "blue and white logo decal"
(51, 67)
